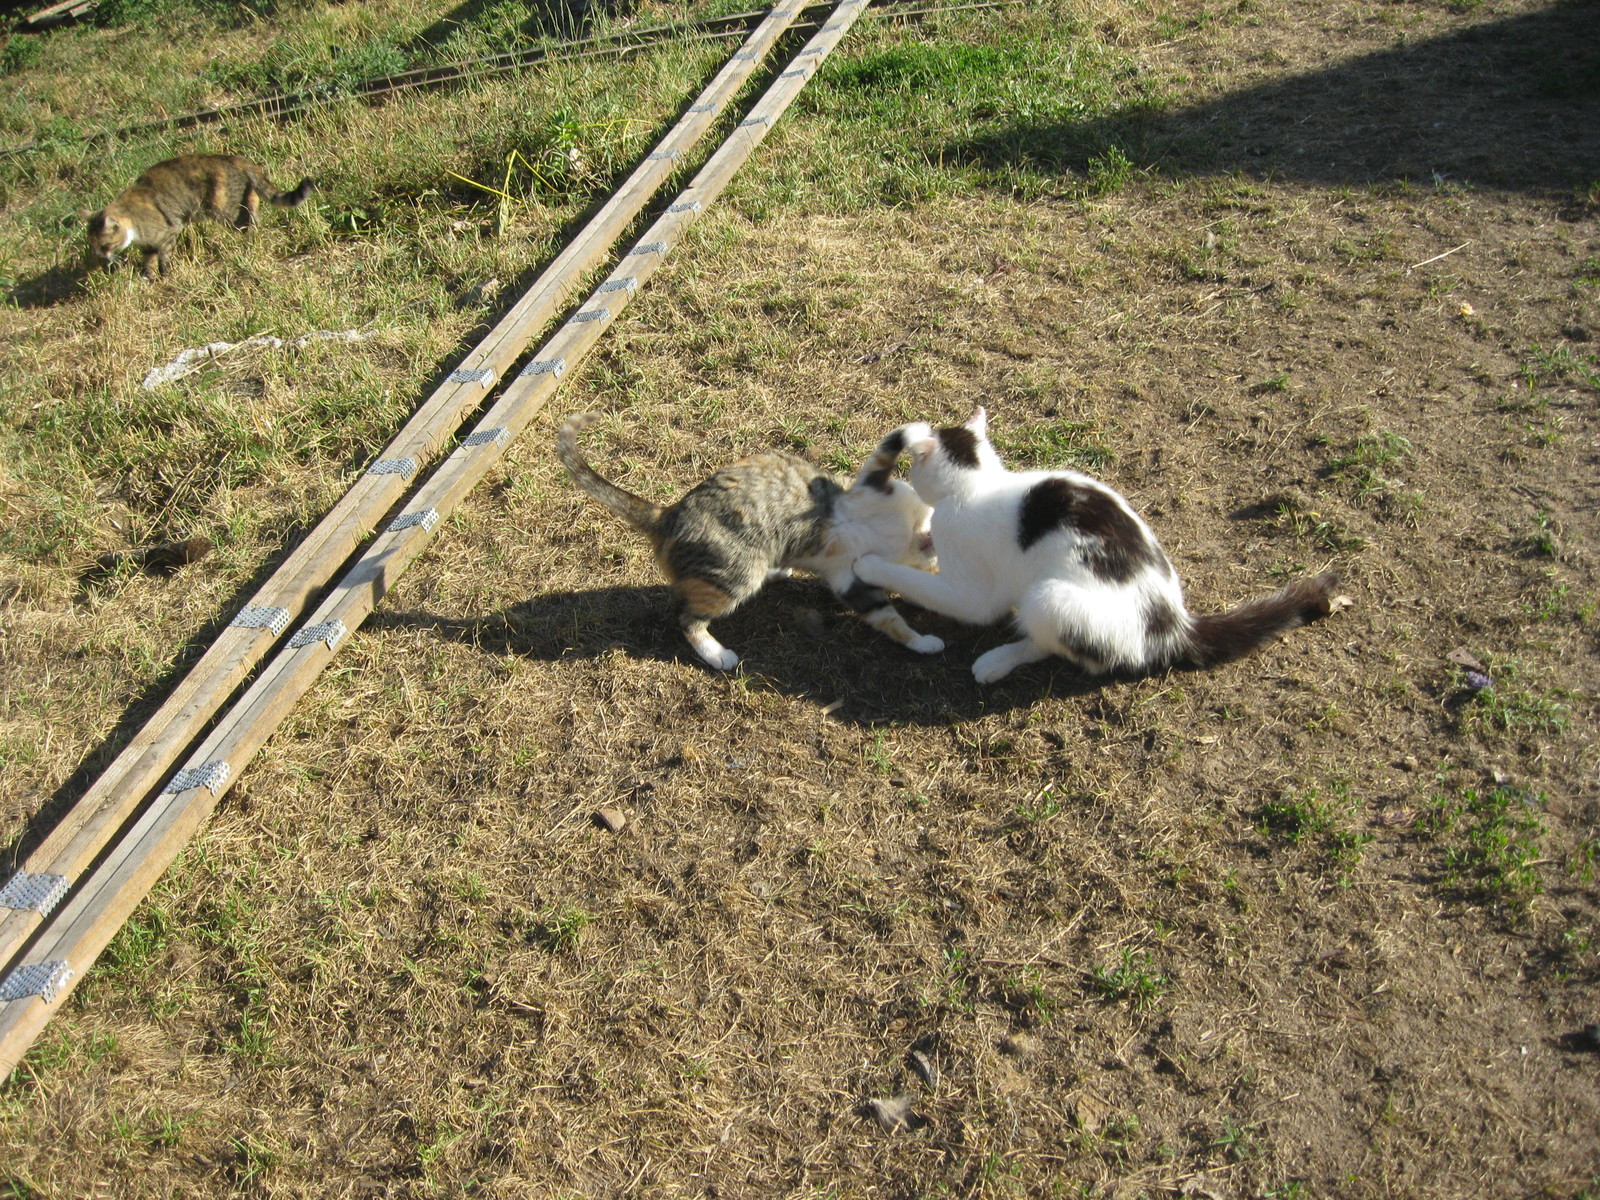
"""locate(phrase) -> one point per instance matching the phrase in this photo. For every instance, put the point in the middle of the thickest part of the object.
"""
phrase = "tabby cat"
(764, 516)
(151, 214)
(1084, 577)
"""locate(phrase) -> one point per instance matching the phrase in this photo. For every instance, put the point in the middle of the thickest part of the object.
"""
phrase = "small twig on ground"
(1437, 257)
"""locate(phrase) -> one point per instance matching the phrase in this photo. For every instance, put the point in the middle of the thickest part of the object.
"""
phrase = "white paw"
(721, 658)
(713, 653)
(868, 569)
(991, 667)
(926, 643)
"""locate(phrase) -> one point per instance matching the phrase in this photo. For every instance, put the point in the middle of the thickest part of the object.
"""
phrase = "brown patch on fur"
(1119, 548)
(960, 445)
(703, 598)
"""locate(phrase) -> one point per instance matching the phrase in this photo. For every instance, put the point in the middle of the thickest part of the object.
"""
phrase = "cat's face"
(105, 237)
(914, 518)
(888, 519)
(941, 459)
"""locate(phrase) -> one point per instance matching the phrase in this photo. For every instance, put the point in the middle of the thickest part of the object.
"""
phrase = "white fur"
(712, 652)
(892, 528)
(985, 575)
(129, 236)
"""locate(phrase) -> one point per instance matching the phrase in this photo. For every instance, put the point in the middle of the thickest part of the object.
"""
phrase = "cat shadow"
(49, 288)
(794, 638)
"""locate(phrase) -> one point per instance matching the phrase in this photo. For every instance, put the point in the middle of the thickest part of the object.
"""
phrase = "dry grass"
(1272, 930)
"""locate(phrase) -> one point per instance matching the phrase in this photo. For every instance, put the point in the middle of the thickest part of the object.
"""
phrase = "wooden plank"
(82, 930)
(55, 14)
(83, 832)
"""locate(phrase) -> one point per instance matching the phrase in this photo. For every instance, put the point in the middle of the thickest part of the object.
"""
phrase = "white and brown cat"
(1065, 556)
(150, 215)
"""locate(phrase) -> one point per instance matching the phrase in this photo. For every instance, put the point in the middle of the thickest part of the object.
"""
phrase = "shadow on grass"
(544, 18)
(49, 288)
(794, 638)
(1511, 104)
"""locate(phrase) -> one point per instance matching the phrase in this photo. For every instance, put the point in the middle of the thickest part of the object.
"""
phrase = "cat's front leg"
(937, 593)
(872, 606)
(712, 652)
(996, 664)
(888, 621)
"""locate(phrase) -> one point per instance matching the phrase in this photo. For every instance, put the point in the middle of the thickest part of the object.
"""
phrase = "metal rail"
(284, 104)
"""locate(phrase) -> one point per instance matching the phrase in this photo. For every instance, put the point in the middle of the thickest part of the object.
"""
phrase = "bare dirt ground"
(1320, 923)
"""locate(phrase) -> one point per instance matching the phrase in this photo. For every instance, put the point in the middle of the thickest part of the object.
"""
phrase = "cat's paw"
(721, 658)
(869, 569)
(926, 643)
(712, 652)
(993, 666)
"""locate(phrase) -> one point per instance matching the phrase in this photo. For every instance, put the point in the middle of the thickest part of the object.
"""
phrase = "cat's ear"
(919, 451)
(978, 422)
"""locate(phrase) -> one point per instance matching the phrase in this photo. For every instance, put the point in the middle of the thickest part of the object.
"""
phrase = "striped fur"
(765, 515)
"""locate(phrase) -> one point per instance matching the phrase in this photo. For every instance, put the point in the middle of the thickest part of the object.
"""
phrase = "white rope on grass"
(191, 360)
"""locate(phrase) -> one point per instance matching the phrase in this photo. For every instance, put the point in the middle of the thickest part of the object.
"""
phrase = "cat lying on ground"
(151, 214)
(1084, 577)
(766, 515)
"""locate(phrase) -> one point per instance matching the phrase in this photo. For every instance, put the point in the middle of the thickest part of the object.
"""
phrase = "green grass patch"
(1301, 817)
(1318, 819)
(141, 938)
(1017, 106)
(313, 64)
(1508, 706)
(559, 929)
(1490, 839)
(18, 54)
(903, 72)
(1528, 416)
(1543, 541)
(1364, 463)
(1133, 977)
(116, 14)
(1561, 363)
(253, 1034)
(1056, 443)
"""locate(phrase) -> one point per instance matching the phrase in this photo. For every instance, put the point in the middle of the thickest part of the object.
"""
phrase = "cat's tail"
(875, 472)
(1225, 636)
(635, 510)
(290, 199)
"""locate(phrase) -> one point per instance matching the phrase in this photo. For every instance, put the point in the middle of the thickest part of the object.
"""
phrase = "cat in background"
(151, 214)
(1083, 575)
(764, 516)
